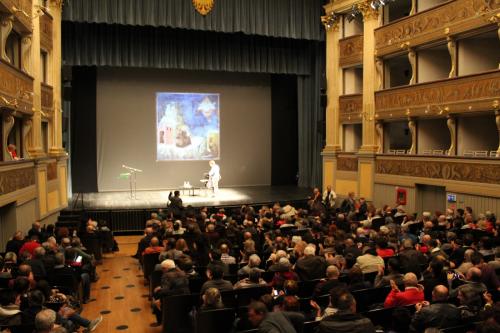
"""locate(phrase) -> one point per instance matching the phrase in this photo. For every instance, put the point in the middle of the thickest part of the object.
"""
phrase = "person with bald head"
(154, 247)
(413, 293)
(331, 281)
(439, 313)
(471, 293)
(225, 257)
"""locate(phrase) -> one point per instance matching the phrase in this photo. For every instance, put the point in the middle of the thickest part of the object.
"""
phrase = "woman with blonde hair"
(212, 300)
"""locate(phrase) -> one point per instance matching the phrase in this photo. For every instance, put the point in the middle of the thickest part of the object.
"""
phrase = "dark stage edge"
(231, 196)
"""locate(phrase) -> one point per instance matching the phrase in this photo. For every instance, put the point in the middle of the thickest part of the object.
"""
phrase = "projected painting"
(187, 126)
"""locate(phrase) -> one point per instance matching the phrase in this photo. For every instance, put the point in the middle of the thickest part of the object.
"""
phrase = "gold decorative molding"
(367, 10)
(203, 6)
(17, 179)
(331, 21)
(456, 16)
(17, 87)
(52, 171)
(6, 25)
(347, 163)
(351, 51)
(350, 107)
(486, 172)
(47, 98)
(57, 3)
(46, 32)
(460, 94)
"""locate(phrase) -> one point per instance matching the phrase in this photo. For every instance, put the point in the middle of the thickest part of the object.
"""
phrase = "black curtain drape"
(83, 133)
(298, 19)
(127, 46)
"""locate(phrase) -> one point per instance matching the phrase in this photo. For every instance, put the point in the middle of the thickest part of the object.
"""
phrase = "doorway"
(431, 198)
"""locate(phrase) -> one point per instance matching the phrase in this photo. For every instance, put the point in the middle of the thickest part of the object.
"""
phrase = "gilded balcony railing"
(350, 107)
(16, 89)
(351, 51)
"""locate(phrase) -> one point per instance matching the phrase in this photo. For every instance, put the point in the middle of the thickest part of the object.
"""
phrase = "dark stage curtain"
(298, 19)
(310, 115)
(127, 46)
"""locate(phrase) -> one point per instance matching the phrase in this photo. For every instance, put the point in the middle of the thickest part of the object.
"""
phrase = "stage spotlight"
(353, 13)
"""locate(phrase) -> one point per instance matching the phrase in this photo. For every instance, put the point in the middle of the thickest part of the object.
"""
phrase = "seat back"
(306, 288)
(310, 326)
(195, 284)
(246, 295)
(24, 328)
(215, 321)
(368, 297)
(65, 281)
(93, 246)
(175, 314)
(154, 281)
(149, 262)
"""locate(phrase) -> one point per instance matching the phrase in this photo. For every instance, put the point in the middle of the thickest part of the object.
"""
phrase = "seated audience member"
(154, 247)
(310, 266)
(212, 300)
(383, 249)
(224, 255)
(346, 320)
(470, 293)
(173, 281)
(30, 245)
(215, 275)
(392, 274)
(36, 263)
(412, 294)
(357, 280)
(15, 244)
(411, 259)
(10, 313)
(285, 273)
(332, 281)
(439, 313)
(253, 264)
(45, 321)
(434, 275)
(253, 280)
(273, 322)
(488, 274)
(369, 262)
(273, 261)
(332, 305)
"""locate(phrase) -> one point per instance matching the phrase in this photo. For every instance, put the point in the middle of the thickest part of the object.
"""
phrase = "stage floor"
(156, 199)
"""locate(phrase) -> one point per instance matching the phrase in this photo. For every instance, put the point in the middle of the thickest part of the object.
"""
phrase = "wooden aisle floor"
(120, 290)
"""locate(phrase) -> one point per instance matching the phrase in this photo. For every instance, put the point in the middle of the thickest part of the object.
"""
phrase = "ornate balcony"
(22, 10)
(347, 162)
(451, 18)
(47, 98)
(46, 32)
(470, 93)
(351, 51)
(350, 107)
(16, 89)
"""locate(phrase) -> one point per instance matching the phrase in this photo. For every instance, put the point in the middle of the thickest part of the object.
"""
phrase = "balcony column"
(452, 127)
(452, 49)
(497, 120)
(412, 58)
(371, 22)
(370, 143)
(35, 138)
(26, 54)
(334, 84)
(379, 126)
(6, 25)
(56, 144)
(412, 125)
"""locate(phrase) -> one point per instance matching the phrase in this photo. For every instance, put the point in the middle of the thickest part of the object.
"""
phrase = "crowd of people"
(438, 267)
(39, 273)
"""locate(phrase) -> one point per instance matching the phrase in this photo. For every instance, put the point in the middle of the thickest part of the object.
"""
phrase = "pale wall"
(477, 133)
(432, 134)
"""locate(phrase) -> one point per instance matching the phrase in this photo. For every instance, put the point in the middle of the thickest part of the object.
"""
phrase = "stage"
(230, 196)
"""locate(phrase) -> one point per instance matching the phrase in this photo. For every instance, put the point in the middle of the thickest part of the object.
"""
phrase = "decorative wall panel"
(13, 180)
(351, 51)
(347, 163)
(350, 107)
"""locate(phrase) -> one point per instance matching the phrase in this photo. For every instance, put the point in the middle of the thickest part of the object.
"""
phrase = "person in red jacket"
(413, 293)
(30, 245)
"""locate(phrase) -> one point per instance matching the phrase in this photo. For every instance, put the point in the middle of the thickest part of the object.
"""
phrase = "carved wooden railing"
(476, 92)
(47, 98)
(16, 178)
(347, 162)
(351, 50)
(455, 169)
(16, 89)
(350, 107)
(22, 10)
(436, 23)
(46, 32)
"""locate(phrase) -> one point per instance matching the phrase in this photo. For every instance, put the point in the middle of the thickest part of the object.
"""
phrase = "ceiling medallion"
(203, 6)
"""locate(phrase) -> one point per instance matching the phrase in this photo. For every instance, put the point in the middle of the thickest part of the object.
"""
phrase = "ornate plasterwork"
(460, 94)
(350, 107)
(351, 50)
(367, 10)
(203, 6)
(345, 163)
(450, 18)
(13, 180)
(446, 170)
(16, 88)
(46, 32)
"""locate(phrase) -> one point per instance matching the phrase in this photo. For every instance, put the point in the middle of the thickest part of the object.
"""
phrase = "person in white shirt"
(214, 177)
(329, 197)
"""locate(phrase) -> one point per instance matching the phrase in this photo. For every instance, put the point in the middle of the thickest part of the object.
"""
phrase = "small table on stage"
(190, 189)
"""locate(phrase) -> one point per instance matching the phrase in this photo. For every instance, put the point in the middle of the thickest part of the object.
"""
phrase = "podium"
(131, 175)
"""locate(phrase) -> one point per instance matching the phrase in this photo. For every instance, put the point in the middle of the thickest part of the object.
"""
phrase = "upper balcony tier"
(449, 19)
(46, 31)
